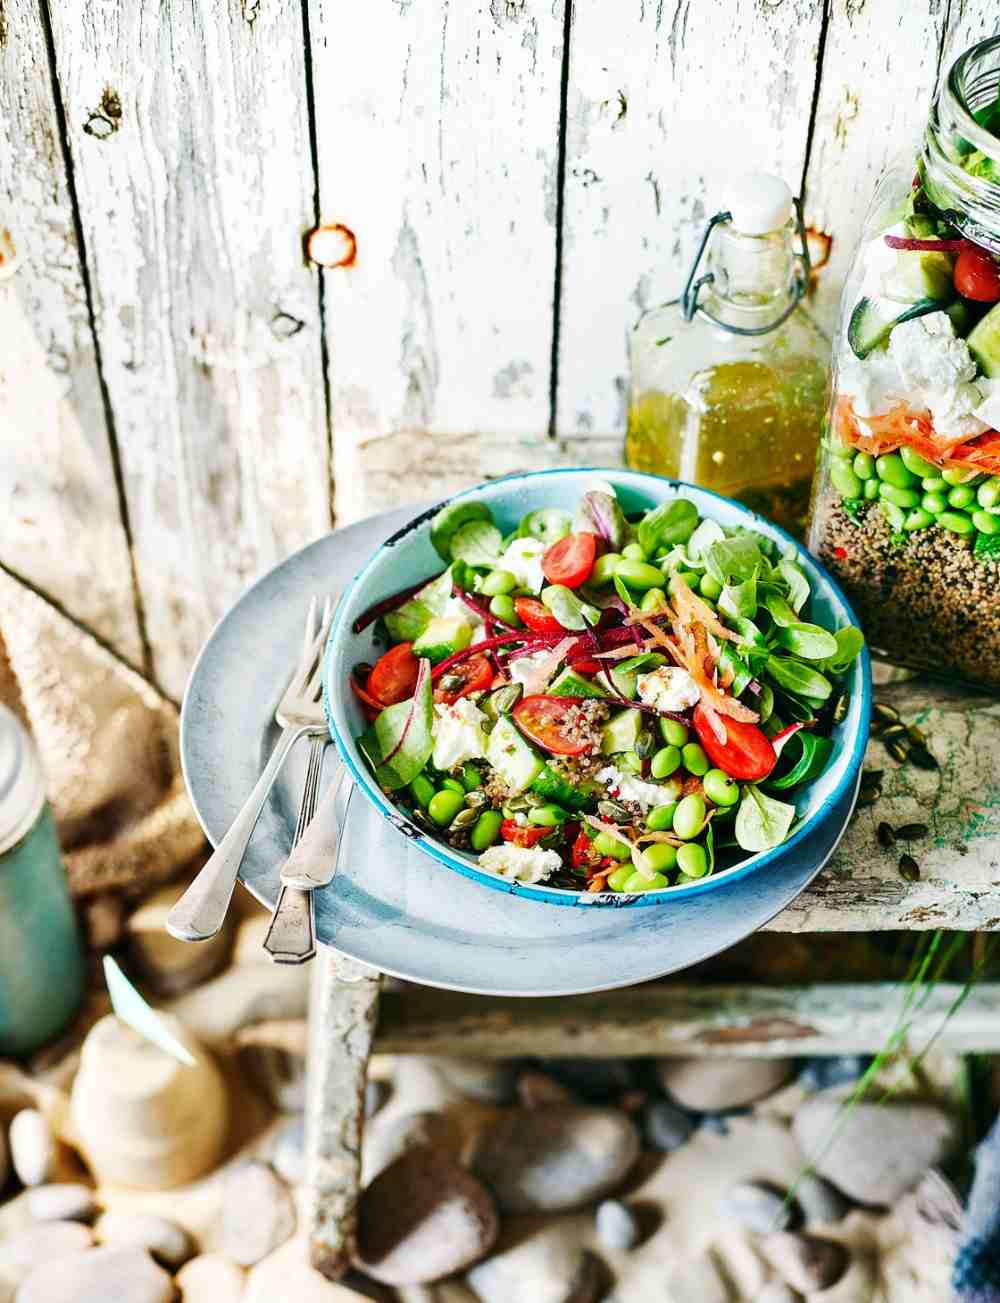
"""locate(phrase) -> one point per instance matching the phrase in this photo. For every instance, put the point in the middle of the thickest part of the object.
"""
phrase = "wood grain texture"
(665, 102)
(189, 137)
(969, 21)
(60, 526)
(437, 133)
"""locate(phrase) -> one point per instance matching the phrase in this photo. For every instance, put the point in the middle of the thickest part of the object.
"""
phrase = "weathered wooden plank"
(342, 1019)
(663, 106)
(437, 135)
(60, 526)
(756, 1021)
(876, 83)
(189, 136)
(969, 21)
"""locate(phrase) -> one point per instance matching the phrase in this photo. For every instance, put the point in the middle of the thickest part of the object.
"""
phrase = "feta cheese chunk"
(455, 606)
(524, 561)
(668, 688)
(629, 788)
(873, 385)
(458, 734)
(525, 669)
(988, 410)
(937, 370)
(520, 863)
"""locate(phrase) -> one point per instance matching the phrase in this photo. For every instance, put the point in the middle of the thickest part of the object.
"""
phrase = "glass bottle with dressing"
(728, 383)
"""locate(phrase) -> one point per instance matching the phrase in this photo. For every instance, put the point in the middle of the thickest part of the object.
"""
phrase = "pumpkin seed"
(451, 682)
(613, 810)
(916, 735)
(871, 777)
(839, 713)
(516, 803)
(886, 837)
(892, 731)
(923, 759)
(898, 750)
(464, 819)
(503, 701)
(476, 799)
(888, 714)
(909, 868)
(645, 744)
(868, 797)
(911, 832)
(421, 817)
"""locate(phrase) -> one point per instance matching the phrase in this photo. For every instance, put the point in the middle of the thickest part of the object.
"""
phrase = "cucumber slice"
(408, 622)
(553, 787)
(984, 343)
(621, 732)
(549, 524)
(619, 682)
(921, 274)
(571, 684)
(444, 635)
(450, 520)
(477, 543)
(869, 327)
(514, 759)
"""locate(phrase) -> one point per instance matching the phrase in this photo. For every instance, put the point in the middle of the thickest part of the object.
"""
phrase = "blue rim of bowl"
(565, 896)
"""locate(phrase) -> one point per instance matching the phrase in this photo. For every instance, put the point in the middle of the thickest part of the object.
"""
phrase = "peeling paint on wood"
(60, 526)
(189, 136)
(663, 106)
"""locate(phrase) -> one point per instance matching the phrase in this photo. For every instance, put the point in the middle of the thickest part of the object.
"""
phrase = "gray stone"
(4, 1157)
(376, 1094)
(62, 1203)
(546, 1265)
(874, 1153)
(165, 1240)
(491, 1081)
(121, 1273)
(538, 1089)
(258, 1213)
(820, 1201)
(390, 1138)
(553, 1159)
(22, 1252)
(32, 1147)
(805, 1262)
(666, 1126)
(756, 1206)
(617, 1225)
(827, 1070)
(709, 1085)
(210, 1278)
(289, 1156)
(775, 1291)
(594, 1079)
(279, 1076)
(422, 1218)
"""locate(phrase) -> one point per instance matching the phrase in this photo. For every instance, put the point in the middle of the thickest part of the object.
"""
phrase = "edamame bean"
(844, 480)
(423, 790)
(634, 552)
(673, 731)
(661, 817)
(934, 503)
(639, 882)
(654, 599)
(905, 498)
(452, 785)
(917, 519)
(710, 587)
(915, 463)
(498, 582)
(666, 760)
(957, 521)
(864, 466)
(891, 470)
(985, 523)
(988, 493)
(955, 475)
(503, 608)
(660, 857)
(690, 577)
(617, 880)
(605, 845)
(471, 778)
(692, 860)
(689, 816)
(695, 759)
(486, 830)
(547, 816)
(444, 805)
(841, 451)
(871, 489)
(720, 788)
(961, 497)
(893, 514)
(639, 574)
(933, 484)
(604, 568)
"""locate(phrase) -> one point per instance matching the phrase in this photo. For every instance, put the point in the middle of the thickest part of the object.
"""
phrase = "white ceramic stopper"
(22, 784)
(758, 203)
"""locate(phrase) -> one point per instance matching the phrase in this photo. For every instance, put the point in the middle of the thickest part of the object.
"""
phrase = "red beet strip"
(501, 640)
(928, 246)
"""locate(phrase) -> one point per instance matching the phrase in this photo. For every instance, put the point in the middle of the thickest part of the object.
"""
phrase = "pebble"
(289, 1156)
(491, 1081)
(278, 1075)
(4, 1157)
(805, 1262)
(554, 1159)
(32, 1147)
(118, 1272)
(104, 921)
(536, 1089)
(598, 1080)
(422, 1218)
(62, 1203)
(775, 1291)
(820, 1201)
(376, 1094)
(547, 1266)
(711, 1085)
(827, 1070)
(617, 1225)
(258, 1213)
(666, 1126)
(37, 1245)
(287, 1277)
(169, 1243)
(389, 1139)
(756, 1206)
(211, 1278)
(874, 1153)
(166, 965)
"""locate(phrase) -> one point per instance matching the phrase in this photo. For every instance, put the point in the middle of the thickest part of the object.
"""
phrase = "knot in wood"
(332, 246)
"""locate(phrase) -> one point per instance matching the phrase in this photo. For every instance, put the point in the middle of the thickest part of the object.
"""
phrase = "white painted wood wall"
(184, 398)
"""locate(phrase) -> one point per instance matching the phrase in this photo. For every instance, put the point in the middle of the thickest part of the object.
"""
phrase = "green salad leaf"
(761, 821)
(450, 519)
(408, 622)
(600, 514)
(644, 661)
(400, 741)
(780, 612)
(850, 641)
(707, 533)
(477, 544)
(739, 600)
(808, 641)
(666, 525)
(987, 545)
(798, 679)
(568, 609)
(798, 584)
(815, 752)
(735, 559)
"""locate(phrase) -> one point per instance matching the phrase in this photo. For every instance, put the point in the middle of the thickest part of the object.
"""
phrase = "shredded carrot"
(693, 609)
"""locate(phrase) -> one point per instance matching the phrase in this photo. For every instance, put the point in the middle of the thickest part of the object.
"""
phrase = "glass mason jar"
(728, 383)
(906, 508)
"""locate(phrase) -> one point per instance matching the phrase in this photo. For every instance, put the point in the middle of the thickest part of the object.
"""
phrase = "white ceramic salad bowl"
(408, 558)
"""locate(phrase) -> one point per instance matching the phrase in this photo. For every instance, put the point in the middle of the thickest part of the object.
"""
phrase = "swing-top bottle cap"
(22, 784)
(758, 203)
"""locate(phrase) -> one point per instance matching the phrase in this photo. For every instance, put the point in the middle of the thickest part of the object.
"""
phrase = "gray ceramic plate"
(391, 905)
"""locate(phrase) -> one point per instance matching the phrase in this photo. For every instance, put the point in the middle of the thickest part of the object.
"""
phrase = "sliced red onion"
(928, 246)
(386, 605)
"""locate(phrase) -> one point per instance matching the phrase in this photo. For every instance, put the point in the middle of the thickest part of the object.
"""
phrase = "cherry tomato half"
(570, 560)
(522, 834)
(746, 754)
(476, 674)
(536, 616)
(977, 276)
(585, 665)
(394, 675)
(544, 720)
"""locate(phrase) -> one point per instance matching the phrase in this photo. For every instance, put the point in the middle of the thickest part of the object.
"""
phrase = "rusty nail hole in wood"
(332, 246)
(819, 245)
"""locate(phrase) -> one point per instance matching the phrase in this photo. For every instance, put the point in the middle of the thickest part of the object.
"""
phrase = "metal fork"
(291, 938)
(201, 911)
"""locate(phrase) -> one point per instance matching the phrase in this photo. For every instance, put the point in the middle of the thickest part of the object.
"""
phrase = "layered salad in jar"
(907, 510)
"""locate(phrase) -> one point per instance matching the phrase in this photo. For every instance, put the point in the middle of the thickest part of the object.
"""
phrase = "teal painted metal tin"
(41, 958)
